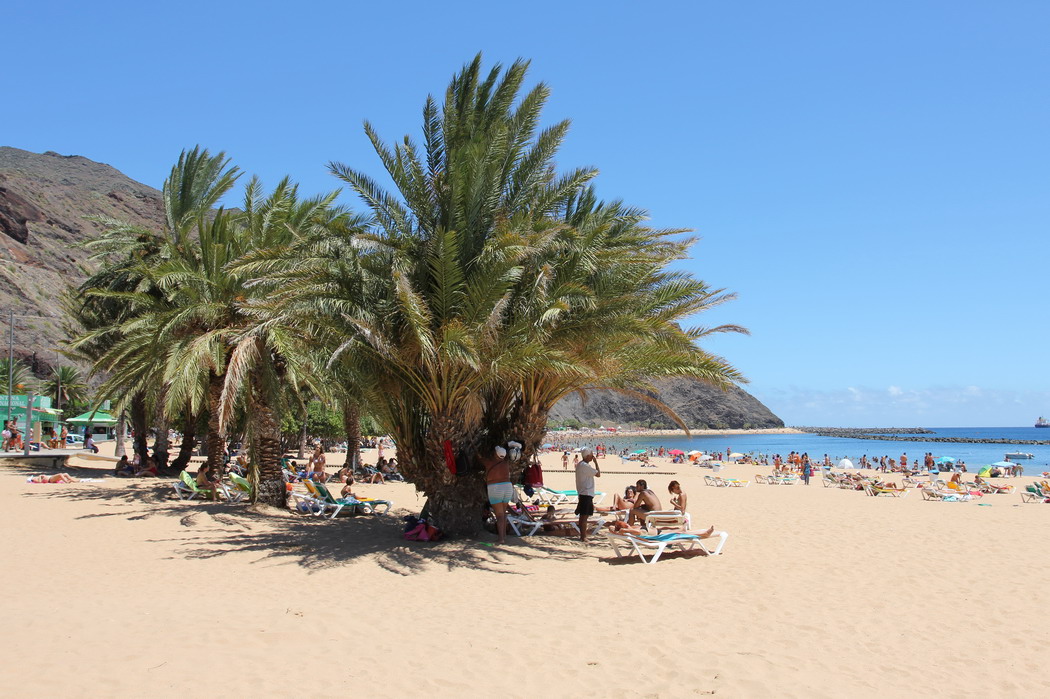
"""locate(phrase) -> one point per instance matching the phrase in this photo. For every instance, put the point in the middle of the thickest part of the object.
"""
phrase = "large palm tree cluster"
(457, 308)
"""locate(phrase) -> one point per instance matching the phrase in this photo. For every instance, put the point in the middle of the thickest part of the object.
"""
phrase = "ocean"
(840, 447)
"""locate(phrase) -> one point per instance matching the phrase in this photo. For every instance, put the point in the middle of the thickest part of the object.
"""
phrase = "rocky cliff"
(699, 405)
(45, 202)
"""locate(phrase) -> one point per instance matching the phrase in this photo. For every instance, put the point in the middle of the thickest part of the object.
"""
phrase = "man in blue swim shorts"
(500, 489)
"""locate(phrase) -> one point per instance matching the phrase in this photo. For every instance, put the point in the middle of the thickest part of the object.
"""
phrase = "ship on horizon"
(1042, 422)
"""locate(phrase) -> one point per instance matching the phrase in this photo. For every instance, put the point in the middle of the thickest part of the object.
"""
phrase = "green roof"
(96, 418)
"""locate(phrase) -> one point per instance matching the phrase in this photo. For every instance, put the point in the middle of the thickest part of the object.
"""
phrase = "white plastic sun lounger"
(659, 543)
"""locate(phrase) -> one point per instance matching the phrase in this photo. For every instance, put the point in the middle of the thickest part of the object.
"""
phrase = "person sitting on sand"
(678, 498)
(124, 469)
(645, 503)
(57, 478)
(148, 468)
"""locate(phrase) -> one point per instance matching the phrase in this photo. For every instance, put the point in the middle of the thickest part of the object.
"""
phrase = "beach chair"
(734, 482)
(658, 522)
(241, 488)
(1034, 493)
(186, 488)
(712, 480)
(336, 505)
(520, 523)
(637, 545)
(550, 496)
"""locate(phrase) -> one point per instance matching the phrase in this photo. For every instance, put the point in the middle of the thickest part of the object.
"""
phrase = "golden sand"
(118, 589)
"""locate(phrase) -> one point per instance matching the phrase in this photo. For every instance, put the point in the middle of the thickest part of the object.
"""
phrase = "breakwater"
(862, 433)
(903, 435)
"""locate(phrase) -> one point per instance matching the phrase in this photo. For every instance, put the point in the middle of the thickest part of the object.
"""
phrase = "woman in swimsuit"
(57, 478)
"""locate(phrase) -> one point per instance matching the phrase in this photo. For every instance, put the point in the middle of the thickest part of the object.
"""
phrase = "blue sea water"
(839, 447)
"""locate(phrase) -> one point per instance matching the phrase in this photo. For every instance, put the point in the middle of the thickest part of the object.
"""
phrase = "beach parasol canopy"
(704, 457)
(845, 463)
(548, 445)
(694, 452)
(984, 472)
(640, 451)
(1004, 464)
(945, 460)
(736, 455)
(676, 452)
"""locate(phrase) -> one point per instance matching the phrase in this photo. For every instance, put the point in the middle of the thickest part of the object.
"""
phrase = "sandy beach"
(115, 588)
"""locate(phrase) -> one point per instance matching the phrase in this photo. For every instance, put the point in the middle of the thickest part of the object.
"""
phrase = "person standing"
(586, 471)
(807, 470)
(500, 489)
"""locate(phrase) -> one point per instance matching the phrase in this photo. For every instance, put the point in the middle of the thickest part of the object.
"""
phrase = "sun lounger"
(659, 543)
(1034, 493)
(550, 496)
(733, 482)
(241, 488)
(760, 479)
(669, 520)
(712, 480)
(186, 488)
(352, 505)
(520, 523)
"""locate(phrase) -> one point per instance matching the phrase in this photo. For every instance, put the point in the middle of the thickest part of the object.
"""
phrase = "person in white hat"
(500, 489)
(586, 471)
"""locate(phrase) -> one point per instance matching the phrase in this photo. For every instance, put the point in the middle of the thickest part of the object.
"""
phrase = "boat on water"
(1042, 422)
(1015, 455)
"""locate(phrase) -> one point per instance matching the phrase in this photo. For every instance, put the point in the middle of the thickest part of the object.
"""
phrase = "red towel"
(450, 458)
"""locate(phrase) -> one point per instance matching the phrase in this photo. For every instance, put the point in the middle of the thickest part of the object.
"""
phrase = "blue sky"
(870, 178)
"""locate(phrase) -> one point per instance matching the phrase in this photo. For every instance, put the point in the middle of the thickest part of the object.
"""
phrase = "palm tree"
(67, 386)
(17, 374)
(148, 316)
(488, 287)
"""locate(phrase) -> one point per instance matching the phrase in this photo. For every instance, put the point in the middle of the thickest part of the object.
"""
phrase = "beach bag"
(534, 476)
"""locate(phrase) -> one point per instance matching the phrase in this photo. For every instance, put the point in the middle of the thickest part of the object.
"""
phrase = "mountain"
(699, 405)
(45, 202)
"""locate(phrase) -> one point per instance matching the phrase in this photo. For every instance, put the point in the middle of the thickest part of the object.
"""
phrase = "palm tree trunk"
(140, 424)
(352, 426)
(189, 439)
(268, 480)
(122, 433)
(302, 435)
(456, 503)
(216, 442)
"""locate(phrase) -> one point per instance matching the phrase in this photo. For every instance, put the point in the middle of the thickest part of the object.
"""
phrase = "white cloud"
(894, 390)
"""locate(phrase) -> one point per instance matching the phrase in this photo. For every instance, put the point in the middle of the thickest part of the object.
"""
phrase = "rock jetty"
(903, 435)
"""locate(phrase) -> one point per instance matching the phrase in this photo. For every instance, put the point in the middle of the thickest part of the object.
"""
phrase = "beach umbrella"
(736, 455)
(548, 445)
(945, 460)
(1004, 464)
(640, 451)
(845, 463)
(676, 452)
(985, 472)
(704, 457)
(694, 452)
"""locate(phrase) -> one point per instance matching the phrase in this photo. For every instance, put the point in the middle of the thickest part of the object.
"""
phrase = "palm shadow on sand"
(276, 537)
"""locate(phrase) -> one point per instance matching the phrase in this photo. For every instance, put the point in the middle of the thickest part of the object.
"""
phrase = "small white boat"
(1015, 455)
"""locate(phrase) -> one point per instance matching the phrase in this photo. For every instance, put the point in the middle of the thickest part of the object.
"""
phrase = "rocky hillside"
(45, 201)
(699, 405)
